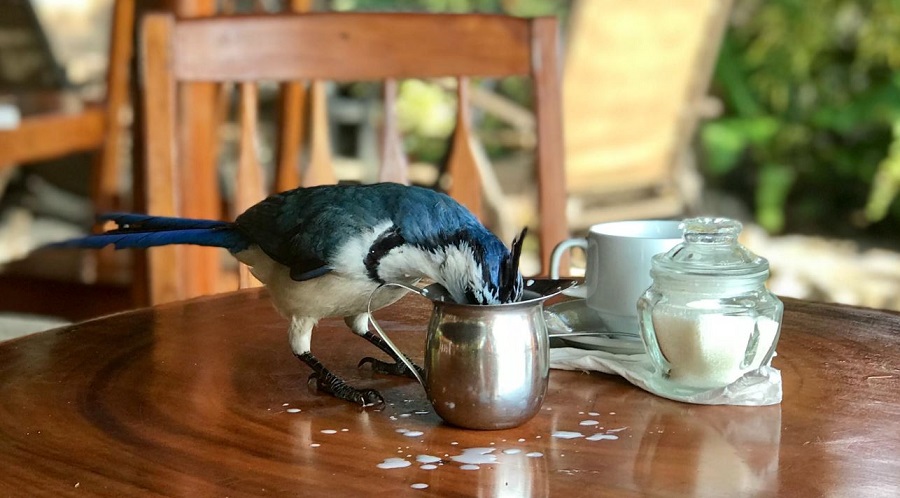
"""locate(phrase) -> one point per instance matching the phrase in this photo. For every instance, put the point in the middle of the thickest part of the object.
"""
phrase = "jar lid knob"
(708, 230)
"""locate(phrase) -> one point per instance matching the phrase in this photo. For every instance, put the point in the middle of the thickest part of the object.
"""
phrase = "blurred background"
(783, 116)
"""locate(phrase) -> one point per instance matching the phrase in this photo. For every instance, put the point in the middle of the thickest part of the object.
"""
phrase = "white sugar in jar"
(708, 318)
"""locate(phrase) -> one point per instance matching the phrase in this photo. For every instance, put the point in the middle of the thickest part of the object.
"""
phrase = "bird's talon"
(383, 367)
(318, 383)
(329, 384)
(371, 398)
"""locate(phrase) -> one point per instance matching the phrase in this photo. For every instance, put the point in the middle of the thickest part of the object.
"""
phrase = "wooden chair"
(179, 176)
(97, 127)
(636, 76)
(51, 131)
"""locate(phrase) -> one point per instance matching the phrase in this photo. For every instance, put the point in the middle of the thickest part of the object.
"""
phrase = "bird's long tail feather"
(139, 231)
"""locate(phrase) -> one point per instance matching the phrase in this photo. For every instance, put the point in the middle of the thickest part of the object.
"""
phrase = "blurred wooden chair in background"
(635, 80)
(316, 48)
(50, 130)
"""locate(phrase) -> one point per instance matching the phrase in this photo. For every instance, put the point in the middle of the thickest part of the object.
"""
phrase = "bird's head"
(483, 271)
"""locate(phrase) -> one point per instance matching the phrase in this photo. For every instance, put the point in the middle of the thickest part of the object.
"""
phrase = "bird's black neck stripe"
(388, 240)
(463, 237)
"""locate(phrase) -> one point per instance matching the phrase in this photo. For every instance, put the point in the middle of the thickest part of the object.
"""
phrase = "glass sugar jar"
(708, 318)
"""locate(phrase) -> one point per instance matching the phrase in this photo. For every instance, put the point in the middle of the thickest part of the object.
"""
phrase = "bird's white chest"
(332, 294)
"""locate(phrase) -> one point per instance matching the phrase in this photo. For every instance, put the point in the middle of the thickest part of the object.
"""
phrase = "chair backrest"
(636, 73)
(180, 179)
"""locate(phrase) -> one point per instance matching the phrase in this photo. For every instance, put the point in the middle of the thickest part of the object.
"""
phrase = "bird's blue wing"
(303, 228)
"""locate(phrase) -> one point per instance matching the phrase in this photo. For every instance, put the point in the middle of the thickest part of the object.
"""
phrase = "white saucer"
(566, 319)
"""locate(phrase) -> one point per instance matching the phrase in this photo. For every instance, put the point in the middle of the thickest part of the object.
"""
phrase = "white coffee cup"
(618, 266)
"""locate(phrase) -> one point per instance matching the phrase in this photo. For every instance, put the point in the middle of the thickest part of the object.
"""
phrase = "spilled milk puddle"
(473, 459)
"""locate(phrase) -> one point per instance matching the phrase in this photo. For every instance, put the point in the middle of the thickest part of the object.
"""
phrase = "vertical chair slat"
(550, 171)
(164, 284)
(106, 173)
(465, 183)
(249, 186)
(321, 168)
(290, 134)
(394, 165)
(292, 108)
(197, 166)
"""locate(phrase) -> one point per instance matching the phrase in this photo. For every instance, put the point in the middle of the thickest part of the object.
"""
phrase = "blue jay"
(321, 252)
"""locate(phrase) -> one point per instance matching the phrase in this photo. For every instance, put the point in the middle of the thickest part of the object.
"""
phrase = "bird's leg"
(359, 324)
(300, 334)
(329, 383)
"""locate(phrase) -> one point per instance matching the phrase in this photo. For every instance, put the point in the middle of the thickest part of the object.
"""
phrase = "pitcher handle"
(381, 333)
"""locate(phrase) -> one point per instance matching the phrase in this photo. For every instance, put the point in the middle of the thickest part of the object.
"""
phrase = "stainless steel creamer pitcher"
(486, 366)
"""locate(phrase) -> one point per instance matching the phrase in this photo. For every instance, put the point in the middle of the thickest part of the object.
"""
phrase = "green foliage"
(812, 96)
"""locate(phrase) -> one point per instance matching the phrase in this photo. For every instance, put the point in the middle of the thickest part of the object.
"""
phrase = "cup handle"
(381, 333)
(559, 250)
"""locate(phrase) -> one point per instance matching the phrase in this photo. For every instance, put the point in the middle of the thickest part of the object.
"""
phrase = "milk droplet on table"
(476, 456)
(601, 436)
(394, 463)
(567, 434)
(588, 422)
(418, 485)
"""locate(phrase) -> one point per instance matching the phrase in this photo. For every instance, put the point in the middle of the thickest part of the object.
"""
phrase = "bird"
(322, 251)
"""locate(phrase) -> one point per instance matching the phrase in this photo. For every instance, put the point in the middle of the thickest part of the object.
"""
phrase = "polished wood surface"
(199, 399)
(185, 58)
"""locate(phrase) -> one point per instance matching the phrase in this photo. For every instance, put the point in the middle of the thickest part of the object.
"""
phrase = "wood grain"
(465, 181)
(324, 42)
(191, 399)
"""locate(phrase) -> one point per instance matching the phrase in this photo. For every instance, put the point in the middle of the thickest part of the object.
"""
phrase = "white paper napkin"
(757, 388)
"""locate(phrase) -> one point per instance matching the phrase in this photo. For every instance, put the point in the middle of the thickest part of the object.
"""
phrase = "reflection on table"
(204, 398)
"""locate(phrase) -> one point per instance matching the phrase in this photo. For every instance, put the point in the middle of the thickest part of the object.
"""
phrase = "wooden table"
(201, 399)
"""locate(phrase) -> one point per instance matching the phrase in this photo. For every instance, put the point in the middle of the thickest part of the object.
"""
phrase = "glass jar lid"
(710, 248)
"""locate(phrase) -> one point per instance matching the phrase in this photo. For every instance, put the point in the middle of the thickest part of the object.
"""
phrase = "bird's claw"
(396, 368)
(364, 397)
